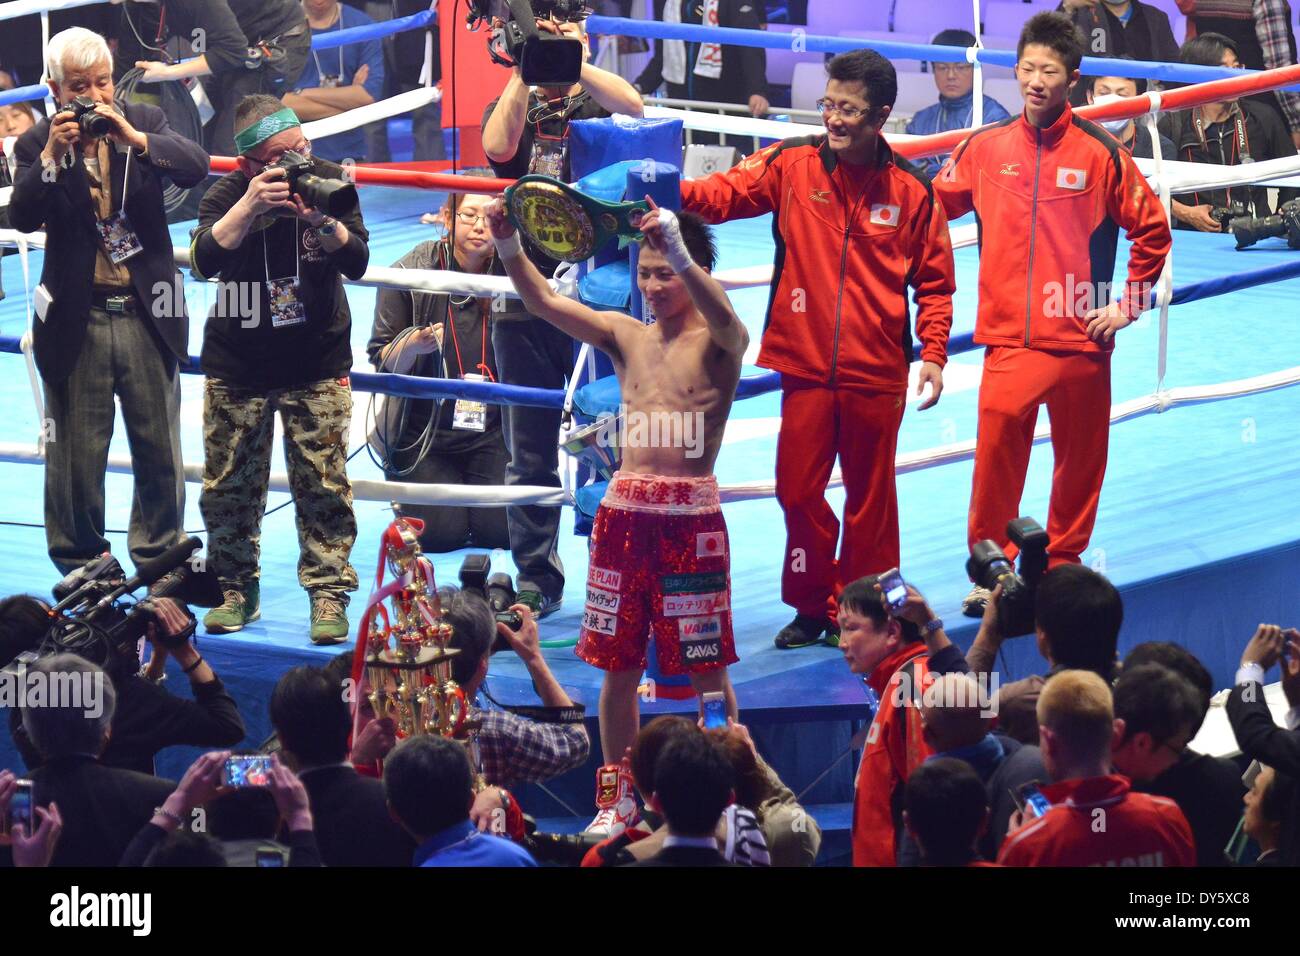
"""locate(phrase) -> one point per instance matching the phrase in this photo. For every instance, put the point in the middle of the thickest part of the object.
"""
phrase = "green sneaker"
(329, 620)
(238, 608)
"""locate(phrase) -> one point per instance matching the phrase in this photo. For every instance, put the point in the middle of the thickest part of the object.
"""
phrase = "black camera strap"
(576, 714)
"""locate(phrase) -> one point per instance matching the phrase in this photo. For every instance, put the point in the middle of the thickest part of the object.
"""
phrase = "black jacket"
(64, 208)
(1259, 738)
(241, 343)
(1266, 137)
(1208, 790)
(744, 69)
(397, 310)
(351, 820)
(103, 808)
(684, 856)
(149, 719)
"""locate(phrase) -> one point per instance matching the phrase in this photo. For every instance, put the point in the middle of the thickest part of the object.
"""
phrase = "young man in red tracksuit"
(1051, 191)
(854, 227)
(889, 655)
(1094, 819)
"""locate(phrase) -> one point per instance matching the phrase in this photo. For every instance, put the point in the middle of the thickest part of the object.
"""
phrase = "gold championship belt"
(567, 224)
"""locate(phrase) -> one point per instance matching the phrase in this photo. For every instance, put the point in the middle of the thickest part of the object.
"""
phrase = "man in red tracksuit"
(1094, 818)
(1051, 191)
(854, 227)
(888, 653)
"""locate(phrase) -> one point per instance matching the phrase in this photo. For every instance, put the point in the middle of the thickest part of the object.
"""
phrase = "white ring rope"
(26, 8)
(398, 105)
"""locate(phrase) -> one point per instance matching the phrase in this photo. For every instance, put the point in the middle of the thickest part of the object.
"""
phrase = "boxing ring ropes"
(1208, 85)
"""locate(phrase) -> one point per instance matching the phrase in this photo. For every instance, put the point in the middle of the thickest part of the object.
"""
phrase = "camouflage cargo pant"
(238, 427)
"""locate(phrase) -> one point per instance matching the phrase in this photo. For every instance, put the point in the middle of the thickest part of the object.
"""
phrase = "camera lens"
(336, 197)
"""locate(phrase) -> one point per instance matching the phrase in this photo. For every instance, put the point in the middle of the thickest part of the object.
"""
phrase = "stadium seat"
(829, 17)
(807, 86)
(931, 16)
(902, 65)
(915, 92)
(1006, 17)
(781, 62)
(1006, 92)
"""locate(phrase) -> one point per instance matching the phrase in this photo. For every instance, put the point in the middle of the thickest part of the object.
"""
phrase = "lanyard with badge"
(551, 153)
(286, 305)
(328, 82)
(468, 414)
(120, 240)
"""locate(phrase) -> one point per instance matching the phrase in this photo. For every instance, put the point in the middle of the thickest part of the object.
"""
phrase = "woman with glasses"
(956, 106)
(438, 335)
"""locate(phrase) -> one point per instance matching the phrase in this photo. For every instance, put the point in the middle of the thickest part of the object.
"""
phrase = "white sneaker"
(974, 604)
(615, 801)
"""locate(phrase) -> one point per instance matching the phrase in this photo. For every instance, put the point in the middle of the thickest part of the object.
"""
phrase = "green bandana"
(265, 128)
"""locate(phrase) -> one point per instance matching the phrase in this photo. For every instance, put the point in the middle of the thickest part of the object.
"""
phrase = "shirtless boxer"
(659, 560)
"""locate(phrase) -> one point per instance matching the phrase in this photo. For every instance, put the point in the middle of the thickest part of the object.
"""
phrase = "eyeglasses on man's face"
(951, 69)
(826, 107)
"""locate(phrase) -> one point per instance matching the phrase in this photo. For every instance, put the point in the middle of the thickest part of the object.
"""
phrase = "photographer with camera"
(1226, 133)
(93, 178)
(1077, 618)
(148, 718)
(525, 130)
(278, 339)
(516, 745)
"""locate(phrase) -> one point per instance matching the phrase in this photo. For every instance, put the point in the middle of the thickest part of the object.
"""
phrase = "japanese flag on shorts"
(883, 214)
(1067, 178)
(710, 544)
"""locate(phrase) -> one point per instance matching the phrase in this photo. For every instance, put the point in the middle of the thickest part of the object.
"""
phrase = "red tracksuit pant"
(861, 427)
(1075, 386)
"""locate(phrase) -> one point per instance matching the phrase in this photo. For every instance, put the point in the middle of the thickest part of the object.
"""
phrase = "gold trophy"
(408, 663)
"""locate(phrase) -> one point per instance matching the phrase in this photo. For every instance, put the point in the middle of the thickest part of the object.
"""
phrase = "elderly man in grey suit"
(110, 313)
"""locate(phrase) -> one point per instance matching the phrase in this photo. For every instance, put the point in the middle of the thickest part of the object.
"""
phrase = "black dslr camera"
(988, 566)
(1284, 224)
(93, 124)
(497, 589)
(335, 197)
(1224, 215)
(543, 59)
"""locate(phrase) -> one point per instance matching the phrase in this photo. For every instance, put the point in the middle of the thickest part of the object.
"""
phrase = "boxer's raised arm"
(567, 315)
(663, 234)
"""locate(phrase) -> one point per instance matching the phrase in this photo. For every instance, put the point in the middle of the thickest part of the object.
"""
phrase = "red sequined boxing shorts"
(659, 567)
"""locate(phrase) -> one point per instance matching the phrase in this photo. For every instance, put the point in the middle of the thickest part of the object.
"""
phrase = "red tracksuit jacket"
(849, 241)
(894, 749)
(1098, 822)
(1050, 204)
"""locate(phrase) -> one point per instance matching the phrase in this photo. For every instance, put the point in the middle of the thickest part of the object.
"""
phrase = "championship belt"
(566, 224)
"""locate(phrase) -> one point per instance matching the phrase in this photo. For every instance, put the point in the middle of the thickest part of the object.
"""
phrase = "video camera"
(988, 566)
(1284, 224)
(497, 589)
(543, 60)
(335, 197)
(1225, 215)
(93, 619)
